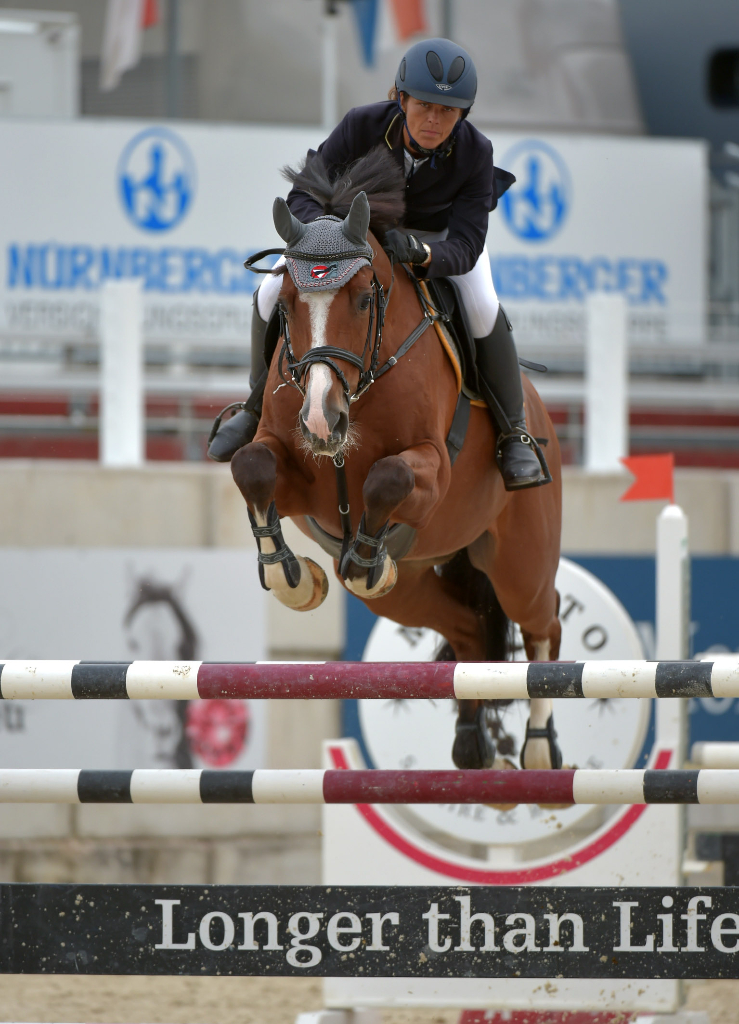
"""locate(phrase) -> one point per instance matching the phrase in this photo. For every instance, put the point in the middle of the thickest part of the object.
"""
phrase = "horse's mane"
(377, 174)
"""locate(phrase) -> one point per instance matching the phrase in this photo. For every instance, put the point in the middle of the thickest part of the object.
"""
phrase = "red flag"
(654, 478)
(149, 13)
(410, 17)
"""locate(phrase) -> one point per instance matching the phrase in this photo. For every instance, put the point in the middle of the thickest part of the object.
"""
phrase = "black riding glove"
(404, 248)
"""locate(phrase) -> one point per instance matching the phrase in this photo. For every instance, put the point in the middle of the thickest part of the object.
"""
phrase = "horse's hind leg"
(540, 748)
(296, 581)
(535, 607)
(423, 597)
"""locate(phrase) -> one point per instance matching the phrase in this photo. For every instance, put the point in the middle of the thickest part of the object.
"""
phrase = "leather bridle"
(369, 371)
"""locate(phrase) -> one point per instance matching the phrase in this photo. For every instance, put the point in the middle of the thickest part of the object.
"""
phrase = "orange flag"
(149, 14)
(654, 478)
(410, 17)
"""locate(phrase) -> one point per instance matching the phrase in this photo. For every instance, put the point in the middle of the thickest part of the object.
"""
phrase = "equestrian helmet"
(438, 71)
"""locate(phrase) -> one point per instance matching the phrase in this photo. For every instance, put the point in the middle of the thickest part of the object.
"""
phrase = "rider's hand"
(402, 247)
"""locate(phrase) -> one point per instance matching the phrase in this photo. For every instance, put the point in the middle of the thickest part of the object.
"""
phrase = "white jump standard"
(194, 680)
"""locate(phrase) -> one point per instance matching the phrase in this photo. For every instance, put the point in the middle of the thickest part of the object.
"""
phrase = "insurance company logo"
(536, 207)
(323, 271)
(156, 179)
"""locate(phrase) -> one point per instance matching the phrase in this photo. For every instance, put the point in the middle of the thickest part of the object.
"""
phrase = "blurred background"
(614, 79)
(140, 148)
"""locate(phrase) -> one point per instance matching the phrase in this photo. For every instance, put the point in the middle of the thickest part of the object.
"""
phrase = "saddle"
(456, 336)
(455, 333)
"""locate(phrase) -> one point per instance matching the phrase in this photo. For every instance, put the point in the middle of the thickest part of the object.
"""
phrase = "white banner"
(181, 207)
(608, 214)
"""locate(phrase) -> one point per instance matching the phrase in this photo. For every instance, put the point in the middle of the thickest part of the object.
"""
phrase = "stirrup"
(547, 733)
(252, 407)
(526, 438)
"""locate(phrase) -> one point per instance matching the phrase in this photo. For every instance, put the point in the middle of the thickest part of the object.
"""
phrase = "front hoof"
(310, 592)
(384, 585)
(474, 747)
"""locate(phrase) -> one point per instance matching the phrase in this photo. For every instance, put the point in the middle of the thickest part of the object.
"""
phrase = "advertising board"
(181, 206)
(125, 605)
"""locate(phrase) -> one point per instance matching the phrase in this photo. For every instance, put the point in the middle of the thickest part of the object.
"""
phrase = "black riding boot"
(499, 379)
(227, 436)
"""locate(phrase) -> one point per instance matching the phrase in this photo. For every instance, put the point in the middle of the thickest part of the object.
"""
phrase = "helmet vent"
(401, 72)
(433, 63)
(456, 70)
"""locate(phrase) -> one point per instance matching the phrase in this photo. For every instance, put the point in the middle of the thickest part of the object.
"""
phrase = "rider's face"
(430, 124)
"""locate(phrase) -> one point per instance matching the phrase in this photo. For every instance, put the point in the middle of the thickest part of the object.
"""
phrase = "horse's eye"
(364, 302)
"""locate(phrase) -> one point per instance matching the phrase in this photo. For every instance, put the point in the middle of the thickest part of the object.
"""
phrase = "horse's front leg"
(296, 581)
(405, 487)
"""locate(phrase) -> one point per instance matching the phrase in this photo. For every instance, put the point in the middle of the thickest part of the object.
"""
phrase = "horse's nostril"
(342, 425)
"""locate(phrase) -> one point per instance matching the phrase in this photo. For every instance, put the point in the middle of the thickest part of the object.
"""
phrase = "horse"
(356, 415)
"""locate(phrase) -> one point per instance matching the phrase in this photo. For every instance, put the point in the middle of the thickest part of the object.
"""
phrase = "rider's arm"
(468, 223)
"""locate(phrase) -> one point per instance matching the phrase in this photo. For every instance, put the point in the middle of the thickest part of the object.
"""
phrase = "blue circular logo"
(536, 207)
(156, 179)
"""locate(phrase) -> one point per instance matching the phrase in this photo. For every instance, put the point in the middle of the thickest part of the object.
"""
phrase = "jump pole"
(369, 786)
(194, 680)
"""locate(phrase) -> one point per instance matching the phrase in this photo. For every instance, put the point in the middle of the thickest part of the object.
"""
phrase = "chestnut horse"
(392, 437)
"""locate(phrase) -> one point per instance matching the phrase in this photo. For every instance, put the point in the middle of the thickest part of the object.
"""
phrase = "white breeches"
(479, 296)
(476, 288)
(269, 289)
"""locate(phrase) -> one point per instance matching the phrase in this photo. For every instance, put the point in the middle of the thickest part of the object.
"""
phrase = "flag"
(150, 14)
(409, 17)
(654, 478)
(124, 20)
(397, 21)
(365, 18)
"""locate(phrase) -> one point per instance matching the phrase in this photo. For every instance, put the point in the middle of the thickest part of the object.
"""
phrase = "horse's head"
(329, 299)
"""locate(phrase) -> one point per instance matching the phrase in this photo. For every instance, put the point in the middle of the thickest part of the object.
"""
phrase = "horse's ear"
(289, 228)
(356, 224)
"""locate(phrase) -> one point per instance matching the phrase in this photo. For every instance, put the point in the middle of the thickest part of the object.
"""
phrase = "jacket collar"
(425, 175)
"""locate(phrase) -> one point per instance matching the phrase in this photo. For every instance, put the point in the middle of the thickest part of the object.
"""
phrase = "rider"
(451, 187)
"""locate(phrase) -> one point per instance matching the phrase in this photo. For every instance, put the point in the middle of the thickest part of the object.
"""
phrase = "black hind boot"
(474, 746)
(499, 380)
(227, 436)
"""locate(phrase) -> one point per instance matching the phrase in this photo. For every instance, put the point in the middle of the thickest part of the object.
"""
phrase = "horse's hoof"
(309, 593)
(541, 747)
(474, 747)
(384, 585)
(502, 764)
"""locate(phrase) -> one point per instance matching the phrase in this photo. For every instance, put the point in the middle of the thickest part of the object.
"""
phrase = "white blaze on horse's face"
(322, 423)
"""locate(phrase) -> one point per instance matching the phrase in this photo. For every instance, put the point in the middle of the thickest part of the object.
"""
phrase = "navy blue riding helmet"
(438, 71)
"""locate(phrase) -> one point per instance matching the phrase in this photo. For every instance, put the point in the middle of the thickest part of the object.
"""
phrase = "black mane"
(377, 174)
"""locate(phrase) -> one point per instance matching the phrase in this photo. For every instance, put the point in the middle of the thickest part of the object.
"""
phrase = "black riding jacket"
(457, 193)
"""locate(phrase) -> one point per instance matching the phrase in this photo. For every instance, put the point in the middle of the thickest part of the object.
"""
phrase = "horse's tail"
(474, 589)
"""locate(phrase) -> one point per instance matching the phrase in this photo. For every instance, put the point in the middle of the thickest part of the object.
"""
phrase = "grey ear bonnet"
(328, 251)
(289, 228)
